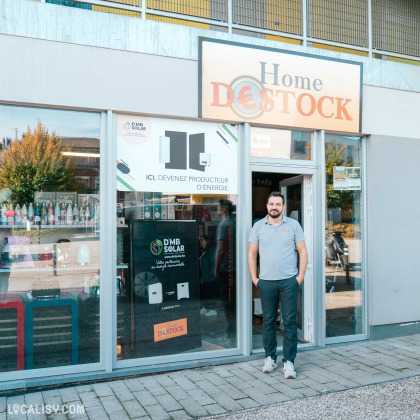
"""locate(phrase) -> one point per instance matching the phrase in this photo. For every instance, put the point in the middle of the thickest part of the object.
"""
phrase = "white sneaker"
(203, 311)
(210, 312)
(269, 365)
(289, 370)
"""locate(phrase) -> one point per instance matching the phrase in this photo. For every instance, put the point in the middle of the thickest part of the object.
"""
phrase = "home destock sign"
(247, 83)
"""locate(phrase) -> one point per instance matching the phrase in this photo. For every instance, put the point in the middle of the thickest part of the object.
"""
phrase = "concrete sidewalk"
(399, 399)
(207, 391)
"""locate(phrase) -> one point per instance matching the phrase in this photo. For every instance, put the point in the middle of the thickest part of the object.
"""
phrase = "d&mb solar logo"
(156, 246)
(134, 126)
(168, 246)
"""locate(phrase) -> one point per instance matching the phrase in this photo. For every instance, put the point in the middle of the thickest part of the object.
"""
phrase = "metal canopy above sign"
(245, 83)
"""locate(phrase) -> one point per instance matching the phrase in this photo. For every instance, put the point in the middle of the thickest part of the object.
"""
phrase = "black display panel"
(178, 150)
(165, 286)
(196, 146)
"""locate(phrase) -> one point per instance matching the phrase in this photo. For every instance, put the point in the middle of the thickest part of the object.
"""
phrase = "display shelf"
(11, 320)
(39, 269)
(51, 328)
(38, 227)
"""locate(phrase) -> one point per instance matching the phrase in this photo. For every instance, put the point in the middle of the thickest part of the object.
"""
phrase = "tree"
(36, 163)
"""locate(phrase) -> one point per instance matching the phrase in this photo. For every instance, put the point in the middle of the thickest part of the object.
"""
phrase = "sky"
(64, 123)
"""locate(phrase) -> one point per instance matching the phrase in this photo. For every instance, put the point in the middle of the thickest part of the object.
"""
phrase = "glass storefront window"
(49, 237)
(176, 211)
(343, 236)
(179, 288)
(281, 144)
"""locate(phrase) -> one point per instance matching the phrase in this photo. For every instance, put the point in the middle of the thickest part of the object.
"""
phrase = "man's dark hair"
(226, 205)
(275, 194)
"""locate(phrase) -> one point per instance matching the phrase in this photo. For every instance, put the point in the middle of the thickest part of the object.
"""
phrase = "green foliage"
(36, 163)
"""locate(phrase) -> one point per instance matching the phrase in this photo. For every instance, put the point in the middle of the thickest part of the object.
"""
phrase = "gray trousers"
(271, 292)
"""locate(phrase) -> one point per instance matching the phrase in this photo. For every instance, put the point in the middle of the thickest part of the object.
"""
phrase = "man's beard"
(276, 215)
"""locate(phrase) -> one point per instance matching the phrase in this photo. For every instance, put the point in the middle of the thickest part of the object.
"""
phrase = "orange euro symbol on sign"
(170, 329)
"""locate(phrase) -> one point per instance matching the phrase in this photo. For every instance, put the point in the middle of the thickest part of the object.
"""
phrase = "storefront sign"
(347, 178)
(246, 83)
(176, 156)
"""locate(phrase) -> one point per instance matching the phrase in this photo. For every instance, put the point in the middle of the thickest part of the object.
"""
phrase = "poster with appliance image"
(176, 156)
(165, 286)
(354, 179)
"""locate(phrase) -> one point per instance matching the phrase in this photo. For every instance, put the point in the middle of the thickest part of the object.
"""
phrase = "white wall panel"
(391, 112)
(61, 74)
(393, 229)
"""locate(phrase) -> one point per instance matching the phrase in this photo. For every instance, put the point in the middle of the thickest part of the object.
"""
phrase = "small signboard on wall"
(354, 179)
(347, 178)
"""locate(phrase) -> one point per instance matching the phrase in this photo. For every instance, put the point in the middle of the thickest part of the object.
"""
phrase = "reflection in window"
(343, 236)
(280, 144)
(49, 237)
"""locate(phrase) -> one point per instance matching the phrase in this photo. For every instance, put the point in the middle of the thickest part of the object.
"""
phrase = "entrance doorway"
(298, 205)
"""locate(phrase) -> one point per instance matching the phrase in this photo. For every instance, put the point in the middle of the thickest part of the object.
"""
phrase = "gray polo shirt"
(277, 249)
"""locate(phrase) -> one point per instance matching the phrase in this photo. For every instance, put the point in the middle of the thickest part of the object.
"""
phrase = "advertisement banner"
(347, 178)
(354, 178)
(176, 156)
(166, 286)
(246, 83)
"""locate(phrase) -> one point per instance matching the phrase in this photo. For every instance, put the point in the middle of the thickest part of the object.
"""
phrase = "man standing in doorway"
(276, 238)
